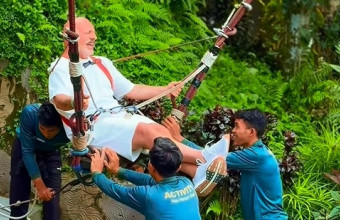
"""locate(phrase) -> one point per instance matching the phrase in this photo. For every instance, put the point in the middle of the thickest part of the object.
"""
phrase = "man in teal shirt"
(36, 156)
(261, 187)
(158, 196)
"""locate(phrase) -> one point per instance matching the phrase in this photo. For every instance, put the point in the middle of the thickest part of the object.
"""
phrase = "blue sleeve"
(134, 197)
(191, 144)
(246, 159)
(27, 123)
(139, 179)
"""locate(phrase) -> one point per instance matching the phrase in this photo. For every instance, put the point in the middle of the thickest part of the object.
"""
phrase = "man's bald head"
(79, 21)
(87, 37)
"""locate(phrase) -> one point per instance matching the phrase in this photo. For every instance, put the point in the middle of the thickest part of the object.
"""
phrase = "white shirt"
(99, 83)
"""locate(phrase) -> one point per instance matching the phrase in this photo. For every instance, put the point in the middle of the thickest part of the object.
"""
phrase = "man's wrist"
(95, 173)
(115, 171)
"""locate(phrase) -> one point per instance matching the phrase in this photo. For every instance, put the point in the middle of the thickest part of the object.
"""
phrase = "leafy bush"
(309, 194)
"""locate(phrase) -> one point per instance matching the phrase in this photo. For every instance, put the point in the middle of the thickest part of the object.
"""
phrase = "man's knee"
(154, 129)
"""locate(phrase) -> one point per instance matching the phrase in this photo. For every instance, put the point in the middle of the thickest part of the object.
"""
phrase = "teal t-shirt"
(261, 187)
(172, 198)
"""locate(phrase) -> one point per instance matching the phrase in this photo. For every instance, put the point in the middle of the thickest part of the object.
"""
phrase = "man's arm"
(139, 179)
(66, 103)
(134, 197)
(63, 102)
(246, 159)
(112, 165)
(191, 144)
(143, 92)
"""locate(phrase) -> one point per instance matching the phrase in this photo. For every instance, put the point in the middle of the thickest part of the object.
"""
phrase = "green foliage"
(239, 85)
(334, 213)
(299, 25)
(300, 99)
(214, 207)
(29, 37)
(308, 194)
(324, 142)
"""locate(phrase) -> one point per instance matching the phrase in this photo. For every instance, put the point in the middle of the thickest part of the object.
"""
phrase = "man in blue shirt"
(35, 156)
(160, 195)
(261, 187)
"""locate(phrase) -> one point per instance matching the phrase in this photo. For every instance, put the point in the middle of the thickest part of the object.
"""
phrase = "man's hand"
(97, 162)
(44, 193)
(112, 165)
(66, 103)
(86, 100)
(171, 124)
(177, 91)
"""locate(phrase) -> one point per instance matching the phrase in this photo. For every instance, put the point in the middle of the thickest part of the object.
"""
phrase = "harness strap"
(65, 120)
(104, 70)
(107, 74)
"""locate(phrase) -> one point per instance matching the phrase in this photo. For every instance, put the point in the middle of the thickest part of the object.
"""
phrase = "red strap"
(65, 120)
(108, 75)
(104, 69)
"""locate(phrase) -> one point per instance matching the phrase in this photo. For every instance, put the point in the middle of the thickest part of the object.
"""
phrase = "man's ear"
(151, 168)
(179, 168)
(253, 132)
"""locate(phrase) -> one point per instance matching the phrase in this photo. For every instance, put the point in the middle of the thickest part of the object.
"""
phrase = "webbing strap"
(107, 74)
(104, 69)
(65, 120)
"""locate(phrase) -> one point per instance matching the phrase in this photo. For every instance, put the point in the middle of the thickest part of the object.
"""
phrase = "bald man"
(124, 133)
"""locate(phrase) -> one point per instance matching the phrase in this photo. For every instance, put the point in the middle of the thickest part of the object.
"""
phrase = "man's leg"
(146, 133)
(212, 167)
(20, 185)
(206, 181)
(52, 161)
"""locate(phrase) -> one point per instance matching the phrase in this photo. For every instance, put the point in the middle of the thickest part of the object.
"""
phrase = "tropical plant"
(323, 142)
(308, 194)
(334, 213)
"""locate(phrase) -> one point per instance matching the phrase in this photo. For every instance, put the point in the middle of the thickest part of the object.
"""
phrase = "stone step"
(34, 215)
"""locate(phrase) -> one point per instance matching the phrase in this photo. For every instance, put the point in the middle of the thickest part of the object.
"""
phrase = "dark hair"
(48, 115)
(253, 118)
(165, 156)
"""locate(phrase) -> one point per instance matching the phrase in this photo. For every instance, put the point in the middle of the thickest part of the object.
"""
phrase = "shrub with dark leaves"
(155, 110)
(214, 125)
(290, 163)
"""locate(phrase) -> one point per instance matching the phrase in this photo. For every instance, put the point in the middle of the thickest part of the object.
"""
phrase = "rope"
(17, 204)
(183, 82)
(123, 59)
(79, 143)
(6, 208)
(140, 105)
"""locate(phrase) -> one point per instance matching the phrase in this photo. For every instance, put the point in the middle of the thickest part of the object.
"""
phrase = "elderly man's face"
(87, 38)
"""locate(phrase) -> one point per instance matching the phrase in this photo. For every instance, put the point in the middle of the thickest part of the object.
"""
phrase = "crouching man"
(160, 195)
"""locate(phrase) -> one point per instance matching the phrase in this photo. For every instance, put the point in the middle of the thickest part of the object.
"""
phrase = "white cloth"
(110, 130)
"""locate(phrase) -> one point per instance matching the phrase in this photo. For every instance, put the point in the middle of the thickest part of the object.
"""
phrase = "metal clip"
(247, 6)
(220, 32)
(66, 37)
